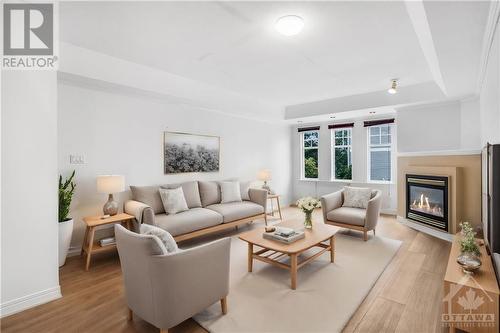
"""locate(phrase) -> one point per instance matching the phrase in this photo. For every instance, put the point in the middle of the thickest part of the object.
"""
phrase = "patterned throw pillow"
(356, 197)
(173, 200)
(165, 238)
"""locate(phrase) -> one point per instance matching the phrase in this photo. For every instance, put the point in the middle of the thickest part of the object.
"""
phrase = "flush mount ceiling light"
(289, 25)
(392, 90)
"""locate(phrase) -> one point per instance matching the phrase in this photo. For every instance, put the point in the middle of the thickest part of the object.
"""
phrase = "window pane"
(343, 163)
(385, 139)
(374, 130)
(374, 140)
(315, 138)
(380, 160)
(385, 129)
(338, 141)
(311, 163)
(338, 134)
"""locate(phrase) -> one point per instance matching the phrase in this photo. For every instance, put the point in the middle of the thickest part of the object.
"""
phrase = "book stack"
(284, 235)
(107, 241)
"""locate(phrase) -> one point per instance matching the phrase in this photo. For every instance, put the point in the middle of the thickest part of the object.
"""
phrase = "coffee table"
(272, 251)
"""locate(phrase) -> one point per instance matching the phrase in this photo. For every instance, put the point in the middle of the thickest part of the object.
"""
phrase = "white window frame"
(332, 150)
(302, 153)
(391, 150)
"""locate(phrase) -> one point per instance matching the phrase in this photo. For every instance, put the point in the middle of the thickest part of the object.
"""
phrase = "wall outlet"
(76, 159)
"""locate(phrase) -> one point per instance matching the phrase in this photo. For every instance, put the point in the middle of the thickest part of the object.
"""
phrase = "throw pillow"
(245, 188)
(167, 242)
(173, 200)
(230, 192)
(356, 197)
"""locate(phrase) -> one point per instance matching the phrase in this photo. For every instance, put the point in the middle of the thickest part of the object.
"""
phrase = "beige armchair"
(353, 218)
(167, 289)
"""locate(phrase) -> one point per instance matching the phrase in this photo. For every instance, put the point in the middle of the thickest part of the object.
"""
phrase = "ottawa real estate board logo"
(28, 36)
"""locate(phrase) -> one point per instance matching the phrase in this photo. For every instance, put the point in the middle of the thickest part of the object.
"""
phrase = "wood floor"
(406, 297)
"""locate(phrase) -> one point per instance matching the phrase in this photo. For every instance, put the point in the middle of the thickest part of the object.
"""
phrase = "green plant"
(468, 241)
(66, 191)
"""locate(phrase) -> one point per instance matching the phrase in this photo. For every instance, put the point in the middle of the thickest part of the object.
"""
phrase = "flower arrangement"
(468, 241)
(307, 205)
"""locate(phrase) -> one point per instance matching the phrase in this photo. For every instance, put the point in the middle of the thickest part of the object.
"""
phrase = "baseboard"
(388, 212)
(430, 231)
(74, 251)
(23, 303)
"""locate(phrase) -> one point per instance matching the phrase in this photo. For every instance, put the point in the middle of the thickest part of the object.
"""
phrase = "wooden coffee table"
(272, 251)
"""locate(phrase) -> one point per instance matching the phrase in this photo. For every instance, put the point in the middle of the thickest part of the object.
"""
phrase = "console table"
(470, 302)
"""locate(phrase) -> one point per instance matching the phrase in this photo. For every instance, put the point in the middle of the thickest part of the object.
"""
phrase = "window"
(342, 153)
(379, 153)
(310, 144)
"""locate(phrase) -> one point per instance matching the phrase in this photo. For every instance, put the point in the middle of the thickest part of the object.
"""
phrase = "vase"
(469, 262)
(308, 224)
(65, 233)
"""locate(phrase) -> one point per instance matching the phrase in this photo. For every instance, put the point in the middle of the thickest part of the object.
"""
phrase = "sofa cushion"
(173, 200)
(188, 221)
(237, 210)
(150, 195)
(209, 193)
(347, 215)
(191, 192)
(230, 192)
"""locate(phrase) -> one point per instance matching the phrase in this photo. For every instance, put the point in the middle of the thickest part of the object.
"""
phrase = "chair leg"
(373, 232)
(130, 315)
(223, 305)
(163, 330)
(265, 218)
(365, 235)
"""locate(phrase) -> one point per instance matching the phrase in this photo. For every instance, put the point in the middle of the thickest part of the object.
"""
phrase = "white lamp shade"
(264, 175)
(110, 184)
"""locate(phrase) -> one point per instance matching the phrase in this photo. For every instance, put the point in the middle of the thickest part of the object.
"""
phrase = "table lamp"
(110, 184)
(265, 175)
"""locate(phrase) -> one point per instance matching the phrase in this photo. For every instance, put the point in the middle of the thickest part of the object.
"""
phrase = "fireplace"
(427, 200)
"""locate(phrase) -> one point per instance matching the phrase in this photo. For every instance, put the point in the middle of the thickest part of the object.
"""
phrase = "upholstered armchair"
(167, 289)
(352, 218)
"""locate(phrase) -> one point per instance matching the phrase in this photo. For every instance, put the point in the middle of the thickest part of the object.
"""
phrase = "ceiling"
(346, 48)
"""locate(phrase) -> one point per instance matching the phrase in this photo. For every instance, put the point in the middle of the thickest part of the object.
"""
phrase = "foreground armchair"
(170, 288)
(352, 218)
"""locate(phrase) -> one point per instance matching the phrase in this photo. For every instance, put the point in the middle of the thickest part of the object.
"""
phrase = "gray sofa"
(206, 213)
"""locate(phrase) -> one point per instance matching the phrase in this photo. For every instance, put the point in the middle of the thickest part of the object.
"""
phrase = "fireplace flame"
(424, 206)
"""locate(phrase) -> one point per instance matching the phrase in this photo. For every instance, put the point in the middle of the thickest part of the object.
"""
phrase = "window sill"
(380, 182)
(375, 182)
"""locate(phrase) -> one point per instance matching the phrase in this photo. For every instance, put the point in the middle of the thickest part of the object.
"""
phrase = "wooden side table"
(92, 222)
(277, 197)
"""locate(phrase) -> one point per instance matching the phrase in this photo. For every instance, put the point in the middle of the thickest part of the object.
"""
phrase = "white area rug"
(327, 294)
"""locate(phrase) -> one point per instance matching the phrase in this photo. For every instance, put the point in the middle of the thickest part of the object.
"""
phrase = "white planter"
(65, 233)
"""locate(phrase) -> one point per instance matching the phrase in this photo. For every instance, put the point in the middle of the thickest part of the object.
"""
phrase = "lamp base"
(267, 188)
(110, 207)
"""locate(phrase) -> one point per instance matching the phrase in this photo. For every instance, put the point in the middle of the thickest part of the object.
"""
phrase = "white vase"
(65, 233)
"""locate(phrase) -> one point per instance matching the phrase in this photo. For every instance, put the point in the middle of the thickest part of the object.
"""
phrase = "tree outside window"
(342, 154)
(310, 150)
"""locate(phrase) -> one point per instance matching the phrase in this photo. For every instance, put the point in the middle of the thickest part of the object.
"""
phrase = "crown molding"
(489, 35)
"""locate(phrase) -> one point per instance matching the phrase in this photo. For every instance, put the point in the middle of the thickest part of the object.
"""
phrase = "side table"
(92, 222)
(277, 198)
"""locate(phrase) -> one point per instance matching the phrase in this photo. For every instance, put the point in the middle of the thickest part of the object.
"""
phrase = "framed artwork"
(184, 152)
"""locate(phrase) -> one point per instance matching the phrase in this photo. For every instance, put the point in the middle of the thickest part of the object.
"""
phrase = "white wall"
(121, 132)
(490, 95)
(324, 184)
(29, 238)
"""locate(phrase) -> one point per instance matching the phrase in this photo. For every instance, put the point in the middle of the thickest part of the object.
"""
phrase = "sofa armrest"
(330, 202)
(373, 211)
(142, 212)
(258, 196)
(189, 281)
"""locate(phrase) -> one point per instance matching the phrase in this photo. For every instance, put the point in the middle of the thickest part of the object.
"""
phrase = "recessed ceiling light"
(332, 117)
(392, 90)
(289, 25)
(372, 112)
(300, 121)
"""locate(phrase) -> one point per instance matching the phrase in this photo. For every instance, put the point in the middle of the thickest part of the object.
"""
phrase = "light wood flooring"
(406, 297)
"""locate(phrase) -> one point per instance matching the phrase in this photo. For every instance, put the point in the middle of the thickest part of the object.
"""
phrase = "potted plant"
(470, 253)
(307, 205)
(66, 190)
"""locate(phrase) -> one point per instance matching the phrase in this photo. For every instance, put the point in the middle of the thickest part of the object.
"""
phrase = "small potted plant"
(470, 253)
(66, 190)
(308, 204)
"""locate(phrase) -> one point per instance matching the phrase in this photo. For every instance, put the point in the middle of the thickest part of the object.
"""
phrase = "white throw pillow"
(166, 239)
(173, 200)
(230, 192)
(245, 188)
(356, 197)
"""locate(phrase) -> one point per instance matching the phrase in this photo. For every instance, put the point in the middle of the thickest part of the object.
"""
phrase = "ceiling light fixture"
(392, 90)
(289, 25)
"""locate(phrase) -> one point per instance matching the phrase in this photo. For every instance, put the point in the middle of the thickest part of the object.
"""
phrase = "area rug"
(326, 297)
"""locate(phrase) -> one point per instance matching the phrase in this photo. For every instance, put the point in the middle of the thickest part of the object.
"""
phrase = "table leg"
(279, 208)
(250, 257)
(85, 239)
(89, 247)
(293, 270)
(332, 248)
(272, 208)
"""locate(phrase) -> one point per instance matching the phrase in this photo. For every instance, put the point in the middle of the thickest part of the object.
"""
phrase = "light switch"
(76, 159)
